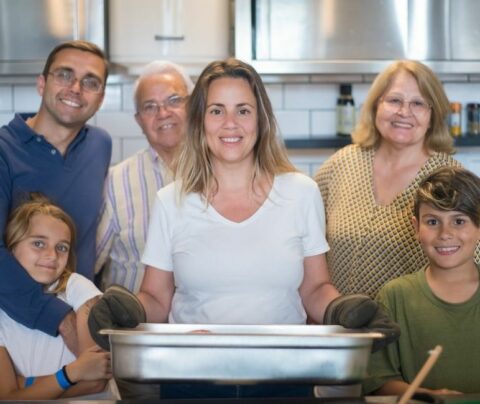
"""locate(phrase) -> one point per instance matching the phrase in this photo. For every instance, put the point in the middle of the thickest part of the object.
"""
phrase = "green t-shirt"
(427, 321)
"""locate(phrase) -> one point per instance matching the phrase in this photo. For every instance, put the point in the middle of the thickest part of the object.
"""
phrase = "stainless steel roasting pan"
(153, 353)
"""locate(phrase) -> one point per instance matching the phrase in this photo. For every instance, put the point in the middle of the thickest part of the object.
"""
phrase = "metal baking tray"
(240, 354)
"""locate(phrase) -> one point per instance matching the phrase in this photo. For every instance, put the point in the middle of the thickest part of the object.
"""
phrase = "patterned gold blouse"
(370, 244)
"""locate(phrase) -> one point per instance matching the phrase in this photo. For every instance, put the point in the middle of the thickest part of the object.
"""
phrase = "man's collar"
(153, 153)
(24, 132)
(27, 134)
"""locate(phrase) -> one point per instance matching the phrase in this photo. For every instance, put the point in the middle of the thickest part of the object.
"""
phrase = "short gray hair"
(162, 67)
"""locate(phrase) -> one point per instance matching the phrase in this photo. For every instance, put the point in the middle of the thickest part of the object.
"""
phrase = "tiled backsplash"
(304, 107)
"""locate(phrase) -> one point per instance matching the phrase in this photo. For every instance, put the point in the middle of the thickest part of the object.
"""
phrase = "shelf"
(332, 142)
(467, 140)
(337, 142)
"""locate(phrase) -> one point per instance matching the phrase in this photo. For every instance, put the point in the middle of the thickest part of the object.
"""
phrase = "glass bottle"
(473, 119)
(345, 111)
(455, 119)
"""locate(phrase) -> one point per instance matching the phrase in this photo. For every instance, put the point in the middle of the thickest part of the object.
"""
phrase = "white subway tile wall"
(275, 93)
(6, 99)
(293, 124)
(323, 123)
(5, 117)
(127, 97)
(113, 100)
(25, 98)
(309, 161)
(304, 106)
(119, 124)
(310, 96)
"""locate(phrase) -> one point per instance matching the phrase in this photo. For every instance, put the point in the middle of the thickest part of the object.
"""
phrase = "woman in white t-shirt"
(239, 236)
(35, 365)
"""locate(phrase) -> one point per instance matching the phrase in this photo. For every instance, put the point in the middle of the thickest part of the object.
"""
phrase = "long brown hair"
(19, 224)
(194, 165)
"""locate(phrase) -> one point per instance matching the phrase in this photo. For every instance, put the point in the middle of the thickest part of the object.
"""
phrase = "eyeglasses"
(172, 102)
(66, 78)
(394, 104)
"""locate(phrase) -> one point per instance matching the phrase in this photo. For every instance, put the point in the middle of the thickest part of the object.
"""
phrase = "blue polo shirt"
(29, 163)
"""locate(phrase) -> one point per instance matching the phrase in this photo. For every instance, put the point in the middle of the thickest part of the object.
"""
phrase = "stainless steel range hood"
(30, 29)
(357, 36)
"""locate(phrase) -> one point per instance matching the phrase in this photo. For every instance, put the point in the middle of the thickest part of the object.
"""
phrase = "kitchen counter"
(217, 401)
(336, 142)
(461, 399)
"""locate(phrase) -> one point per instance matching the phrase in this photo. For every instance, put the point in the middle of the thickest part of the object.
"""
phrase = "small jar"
(455, 123)
(473, 119)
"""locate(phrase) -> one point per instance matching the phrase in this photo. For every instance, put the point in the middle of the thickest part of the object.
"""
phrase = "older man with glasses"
(160, 95)
(55, 153)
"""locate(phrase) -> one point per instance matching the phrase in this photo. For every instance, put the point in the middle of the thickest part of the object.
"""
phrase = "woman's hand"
(93, 364)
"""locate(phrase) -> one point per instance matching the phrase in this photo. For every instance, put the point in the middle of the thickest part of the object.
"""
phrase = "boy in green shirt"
(439, 305)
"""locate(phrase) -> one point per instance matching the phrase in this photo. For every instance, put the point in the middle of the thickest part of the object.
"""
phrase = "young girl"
(35, 365)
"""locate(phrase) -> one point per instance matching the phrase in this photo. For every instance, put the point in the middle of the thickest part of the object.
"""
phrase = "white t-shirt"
(35, 353)
(238, 273)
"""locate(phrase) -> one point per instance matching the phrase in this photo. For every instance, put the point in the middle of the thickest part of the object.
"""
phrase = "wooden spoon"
(434, 354)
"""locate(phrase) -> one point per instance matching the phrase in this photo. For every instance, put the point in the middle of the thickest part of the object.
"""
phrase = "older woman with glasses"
(368, 187)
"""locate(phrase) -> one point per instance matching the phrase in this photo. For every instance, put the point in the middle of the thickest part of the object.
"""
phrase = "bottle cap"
(345, 89)
(455, 107)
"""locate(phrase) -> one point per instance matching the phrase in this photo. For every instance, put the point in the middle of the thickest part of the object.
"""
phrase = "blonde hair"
(19, 224)
(194, 164)
(437, 137)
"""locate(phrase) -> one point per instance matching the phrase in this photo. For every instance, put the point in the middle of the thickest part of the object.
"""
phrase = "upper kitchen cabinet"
(30, 29)
(190, 32)
(351, 36)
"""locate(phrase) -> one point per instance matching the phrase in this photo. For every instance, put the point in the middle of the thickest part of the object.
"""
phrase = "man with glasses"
(160, 94)
(55, 153)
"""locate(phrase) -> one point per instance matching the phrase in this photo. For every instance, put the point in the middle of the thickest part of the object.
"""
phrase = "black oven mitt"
(361, 312)
(117, 308)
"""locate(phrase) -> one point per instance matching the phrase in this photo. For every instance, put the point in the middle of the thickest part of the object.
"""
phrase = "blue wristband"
(29, 381)
(64, 370)
(62, 380)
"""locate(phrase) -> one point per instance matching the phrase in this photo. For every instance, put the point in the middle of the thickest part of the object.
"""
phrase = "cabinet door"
(329, 30)
(30, 29)
(180, 30)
